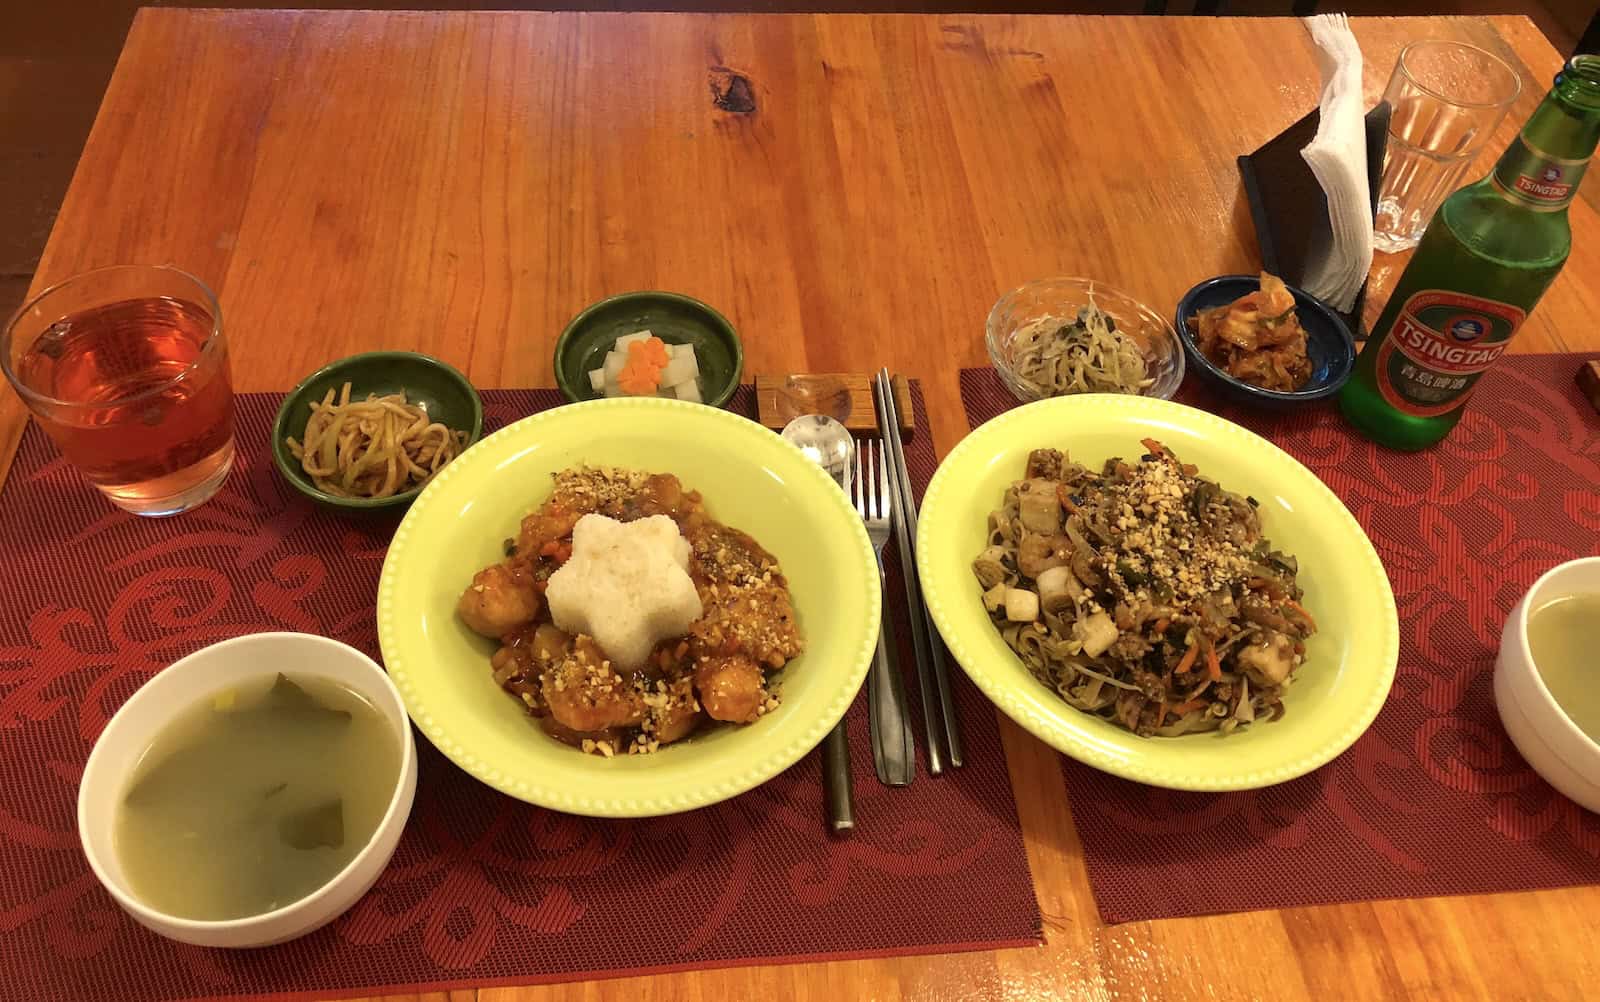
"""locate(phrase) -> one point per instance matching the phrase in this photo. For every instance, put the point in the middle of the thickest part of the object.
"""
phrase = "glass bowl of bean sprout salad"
(1061, 336)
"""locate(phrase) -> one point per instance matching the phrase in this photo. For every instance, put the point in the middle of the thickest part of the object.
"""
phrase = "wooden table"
(461, 184)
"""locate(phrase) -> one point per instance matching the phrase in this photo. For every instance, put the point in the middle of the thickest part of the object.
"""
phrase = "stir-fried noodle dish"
(1144, 593)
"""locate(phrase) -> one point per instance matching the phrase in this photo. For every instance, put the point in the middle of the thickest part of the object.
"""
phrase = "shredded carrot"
(641, 373)
(1065, 497)
(1185, 708)
(1156, 448)
(652, 349)
(1162, 624)
(638, 377)
(1213, 666)
(1188, 658)
(1297, 607)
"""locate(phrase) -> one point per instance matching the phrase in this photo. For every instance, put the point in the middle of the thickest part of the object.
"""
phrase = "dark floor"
(56, 57)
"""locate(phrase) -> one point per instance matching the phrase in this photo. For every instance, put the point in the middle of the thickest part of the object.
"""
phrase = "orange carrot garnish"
(1188, 658)
(1297, 607)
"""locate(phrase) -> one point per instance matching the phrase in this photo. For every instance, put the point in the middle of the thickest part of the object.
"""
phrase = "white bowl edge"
(1553, 745)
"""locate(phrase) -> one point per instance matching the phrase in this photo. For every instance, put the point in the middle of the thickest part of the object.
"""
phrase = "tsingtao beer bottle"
(1486, 258)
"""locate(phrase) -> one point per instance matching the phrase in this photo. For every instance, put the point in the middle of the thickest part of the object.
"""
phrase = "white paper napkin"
(1338, 158)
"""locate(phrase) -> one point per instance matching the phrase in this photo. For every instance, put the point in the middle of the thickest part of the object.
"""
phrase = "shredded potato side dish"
(372, 448)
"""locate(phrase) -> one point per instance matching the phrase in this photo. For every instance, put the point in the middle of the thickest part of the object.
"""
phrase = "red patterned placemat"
(483, 889)
(1434, 799)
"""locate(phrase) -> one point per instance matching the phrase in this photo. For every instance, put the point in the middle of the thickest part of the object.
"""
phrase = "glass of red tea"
(126, 369)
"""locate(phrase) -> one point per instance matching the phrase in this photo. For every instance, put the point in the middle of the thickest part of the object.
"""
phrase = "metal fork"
(892, 752)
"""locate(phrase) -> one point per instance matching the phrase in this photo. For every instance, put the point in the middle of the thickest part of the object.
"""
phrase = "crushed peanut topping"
(595, 488)
(585, 698)
(1175, 531)
(746, 599)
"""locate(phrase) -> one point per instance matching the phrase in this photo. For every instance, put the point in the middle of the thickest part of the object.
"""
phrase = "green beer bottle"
(1485, 259)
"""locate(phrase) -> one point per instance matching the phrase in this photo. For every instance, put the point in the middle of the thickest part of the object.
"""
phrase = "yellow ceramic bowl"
(1350, 662)
(750, 478)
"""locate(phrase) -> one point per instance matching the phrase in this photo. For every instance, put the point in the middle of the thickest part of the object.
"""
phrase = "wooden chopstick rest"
(845, 396)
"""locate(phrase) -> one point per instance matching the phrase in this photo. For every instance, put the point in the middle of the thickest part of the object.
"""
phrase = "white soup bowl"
(191, 680)
(1552, 744)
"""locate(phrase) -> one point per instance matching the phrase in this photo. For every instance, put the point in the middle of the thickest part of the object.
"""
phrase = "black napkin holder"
(1288, 206)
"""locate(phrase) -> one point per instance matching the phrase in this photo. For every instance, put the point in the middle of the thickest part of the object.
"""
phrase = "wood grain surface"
(851, 191)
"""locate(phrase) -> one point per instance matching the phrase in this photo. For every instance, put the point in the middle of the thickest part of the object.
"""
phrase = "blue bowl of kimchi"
(1330, 348)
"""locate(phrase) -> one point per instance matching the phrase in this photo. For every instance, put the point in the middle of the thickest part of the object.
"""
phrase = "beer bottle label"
(1441, 342)
(1535, 179)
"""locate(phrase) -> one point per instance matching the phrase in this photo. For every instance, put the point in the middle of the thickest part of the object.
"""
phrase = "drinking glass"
(126, 369)
(1446, 99)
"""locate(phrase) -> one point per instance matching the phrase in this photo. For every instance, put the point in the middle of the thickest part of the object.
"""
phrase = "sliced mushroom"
(990, 566)
(1246, 711)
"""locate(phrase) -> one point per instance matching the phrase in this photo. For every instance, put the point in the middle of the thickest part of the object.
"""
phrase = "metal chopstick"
(888, 426)
(838, 787)
(922, 628)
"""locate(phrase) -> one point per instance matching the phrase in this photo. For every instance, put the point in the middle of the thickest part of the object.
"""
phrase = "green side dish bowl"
(674, 318)
(438, 387)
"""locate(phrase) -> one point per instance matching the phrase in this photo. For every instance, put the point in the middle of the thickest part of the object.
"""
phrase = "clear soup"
(254, 798)
(1564, 636)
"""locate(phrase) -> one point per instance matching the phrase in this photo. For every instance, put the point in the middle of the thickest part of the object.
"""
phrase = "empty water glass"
(1446, 99)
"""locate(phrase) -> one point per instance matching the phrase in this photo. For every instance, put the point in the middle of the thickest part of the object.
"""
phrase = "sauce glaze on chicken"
(719, 671)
